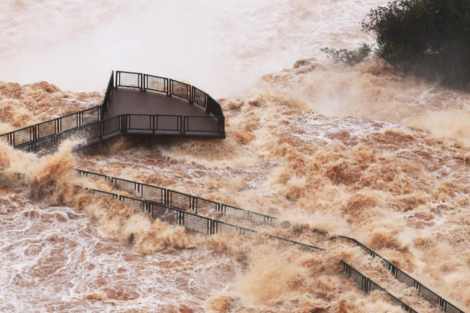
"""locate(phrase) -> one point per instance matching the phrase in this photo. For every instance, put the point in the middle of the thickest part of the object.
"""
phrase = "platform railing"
(129, 80)
(405, 278)
(108, 95)
(170, 87)
(156, 83)
(180, 89)
(52, 127)
(164, 124)
(181, 200)
(126, 124)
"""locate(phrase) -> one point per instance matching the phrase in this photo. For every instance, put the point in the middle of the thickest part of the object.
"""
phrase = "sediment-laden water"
(361, 151)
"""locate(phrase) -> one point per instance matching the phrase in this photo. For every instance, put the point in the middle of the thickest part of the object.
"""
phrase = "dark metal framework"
(205, 225)
(129, 79)
(26, 139)
(171, 199)
(403, 277)
(180, 89)
(170, 87)
(176, 213)
(51, 128)
(108, 95)
(91, 125)
(367, 285)
(179, 200)
(156, 83)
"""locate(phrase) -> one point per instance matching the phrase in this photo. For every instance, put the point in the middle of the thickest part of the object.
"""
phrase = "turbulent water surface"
(360, 151)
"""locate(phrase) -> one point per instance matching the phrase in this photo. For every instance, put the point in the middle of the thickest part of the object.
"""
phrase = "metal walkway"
(197, 214)
(131, 101)
(134, 104)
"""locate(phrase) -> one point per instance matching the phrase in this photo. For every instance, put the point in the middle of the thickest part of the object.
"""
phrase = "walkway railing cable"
(192, 221)
(208, 226)
(181, 201)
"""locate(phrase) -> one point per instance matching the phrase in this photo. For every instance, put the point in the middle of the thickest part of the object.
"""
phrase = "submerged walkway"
(210, 217)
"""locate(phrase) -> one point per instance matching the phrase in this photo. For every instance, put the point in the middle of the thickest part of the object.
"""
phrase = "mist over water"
(220, 46)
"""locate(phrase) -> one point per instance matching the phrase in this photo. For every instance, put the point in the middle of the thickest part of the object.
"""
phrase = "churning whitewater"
(362, 152)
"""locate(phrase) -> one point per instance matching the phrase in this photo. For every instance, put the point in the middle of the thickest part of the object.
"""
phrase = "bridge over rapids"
(138, 104)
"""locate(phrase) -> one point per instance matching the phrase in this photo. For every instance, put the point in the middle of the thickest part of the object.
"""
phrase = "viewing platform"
(134, 104)
(162, 106)
(131, 101)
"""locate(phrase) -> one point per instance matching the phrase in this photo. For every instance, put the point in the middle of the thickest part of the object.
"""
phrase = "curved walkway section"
(159, 105)
(134, 104)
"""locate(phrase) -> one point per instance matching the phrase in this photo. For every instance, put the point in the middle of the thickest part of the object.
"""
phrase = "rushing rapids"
(361, 152)
(393, 187)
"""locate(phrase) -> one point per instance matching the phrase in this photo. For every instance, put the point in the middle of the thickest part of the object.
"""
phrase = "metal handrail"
(210, 229)
(367, 285)
(210, 226)
(398, 274)
(181, 129)
(33, 133)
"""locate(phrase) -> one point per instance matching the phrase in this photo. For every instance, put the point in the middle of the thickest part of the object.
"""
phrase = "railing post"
(117, 74)
(34, 130)
(168, 200)
(181, 218)
(207, 107)
(183, 126)
(209, 226)
(101, 129)
(124, 123)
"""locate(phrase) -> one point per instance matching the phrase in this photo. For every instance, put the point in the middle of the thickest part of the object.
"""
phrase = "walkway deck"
(132, 101)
